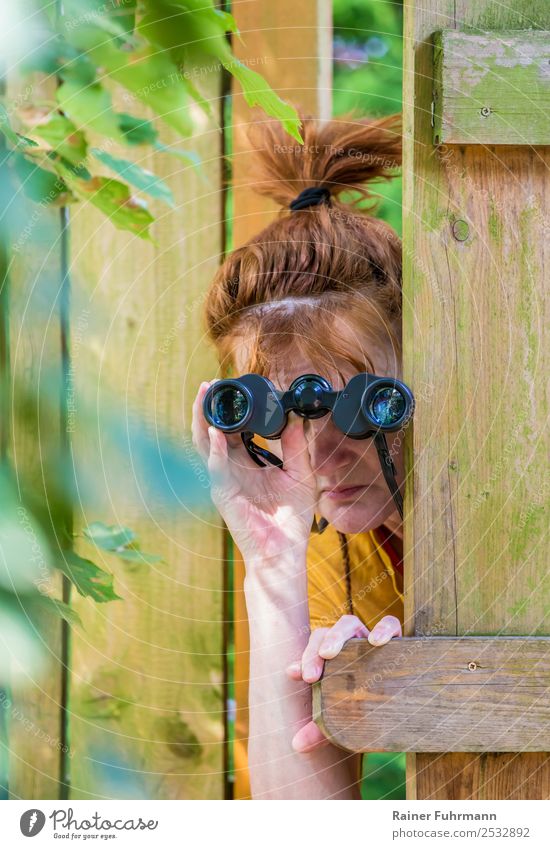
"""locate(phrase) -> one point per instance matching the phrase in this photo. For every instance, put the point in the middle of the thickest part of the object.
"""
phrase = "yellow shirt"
(376, 590)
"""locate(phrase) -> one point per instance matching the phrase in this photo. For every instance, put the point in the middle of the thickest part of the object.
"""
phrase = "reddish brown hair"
(291, 286)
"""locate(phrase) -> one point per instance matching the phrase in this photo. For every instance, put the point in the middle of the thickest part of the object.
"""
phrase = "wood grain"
(434, 694)
(492, 88)
(294, 53)
(147, 706)
(475, 309)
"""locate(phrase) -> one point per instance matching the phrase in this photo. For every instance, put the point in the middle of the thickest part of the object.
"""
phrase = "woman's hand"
(324, 644)
(269, 511)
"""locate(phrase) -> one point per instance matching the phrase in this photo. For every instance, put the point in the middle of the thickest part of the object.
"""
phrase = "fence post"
(475, 318)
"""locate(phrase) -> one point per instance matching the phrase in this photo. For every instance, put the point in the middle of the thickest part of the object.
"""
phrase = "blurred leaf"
(62, 136)
(108, 537)
(25, 554)
(89, 106)
(80, 14)
(20, 650)
(114, 200)
(137, 176)
(149, 75)
(88, 578)
(134, 555)
(187, 156)
(38, 184)
(65, 611)
(5, 127)
(136, 130)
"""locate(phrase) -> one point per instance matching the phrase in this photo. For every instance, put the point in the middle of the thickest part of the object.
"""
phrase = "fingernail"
(379, 636)
(328, 649)
(311, 671)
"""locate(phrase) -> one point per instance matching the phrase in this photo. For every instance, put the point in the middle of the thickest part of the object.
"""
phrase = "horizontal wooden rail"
(438, 694)
(491, 87)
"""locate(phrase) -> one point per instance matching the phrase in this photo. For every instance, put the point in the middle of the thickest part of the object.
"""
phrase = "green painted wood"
(491, 88)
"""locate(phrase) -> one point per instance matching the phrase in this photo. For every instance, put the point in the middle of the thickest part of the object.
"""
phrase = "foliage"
(368, 74)
(153, 50)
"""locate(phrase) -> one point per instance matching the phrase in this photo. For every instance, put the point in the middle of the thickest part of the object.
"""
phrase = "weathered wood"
(491, 88)
(295, 56)
(475, 309)
(147, 707)
(438, 694)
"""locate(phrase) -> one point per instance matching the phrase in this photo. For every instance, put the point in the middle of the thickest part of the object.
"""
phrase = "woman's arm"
(276, 600)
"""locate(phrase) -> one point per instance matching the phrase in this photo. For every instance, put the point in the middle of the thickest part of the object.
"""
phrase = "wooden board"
(475, 313)
(147, 704)
(434, 694)
(492, 88)
(295, 56)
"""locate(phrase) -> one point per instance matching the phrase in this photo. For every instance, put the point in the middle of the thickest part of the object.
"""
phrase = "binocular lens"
(387, 406)
(229, 407)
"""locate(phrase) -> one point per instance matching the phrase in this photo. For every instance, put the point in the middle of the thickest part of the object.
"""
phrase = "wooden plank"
(147, 706)
(475, 306)
(492, 88)
(294, 53)
(34, 706)
(434, 694)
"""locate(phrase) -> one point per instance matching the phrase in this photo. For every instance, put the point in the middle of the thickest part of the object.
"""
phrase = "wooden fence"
(138, 697)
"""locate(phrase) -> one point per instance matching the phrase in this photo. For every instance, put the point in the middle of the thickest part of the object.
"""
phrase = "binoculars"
(368, 406)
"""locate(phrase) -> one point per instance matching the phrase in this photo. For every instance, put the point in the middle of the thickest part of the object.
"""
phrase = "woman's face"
(352, 492)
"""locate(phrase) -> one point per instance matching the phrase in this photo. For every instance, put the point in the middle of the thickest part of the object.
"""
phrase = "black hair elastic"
(313, 196)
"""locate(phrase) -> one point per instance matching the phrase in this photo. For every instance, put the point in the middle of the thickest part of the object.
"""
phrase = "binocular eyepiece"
(367, 405)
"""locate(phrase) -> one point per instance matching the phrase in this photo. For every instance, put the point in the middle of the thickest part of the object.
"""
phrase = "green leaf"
(151, 77)
(88, 578)
(65, 611)
(63, 137)
(89, 106)
(108, 537)
(82, 14)
(258, 92)
(136, 176)
(136, 130)
(114, 200)
(37, 183)
(135, 555)
(5, 127)
(185, 155)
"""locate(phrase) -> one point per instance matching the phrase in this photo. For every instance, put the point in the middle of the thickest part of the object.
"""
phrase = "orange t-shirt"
(373, 584)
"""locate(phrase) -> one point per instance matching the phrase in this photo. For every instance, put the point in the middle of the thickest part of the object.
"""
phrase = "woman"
(317, 291)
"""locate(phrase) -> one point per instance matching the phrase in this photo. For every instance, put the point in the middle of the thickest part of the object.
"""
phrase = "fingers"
(346, 628)
(308, 738)
(312, 664)
(383, 631)
(199, 425)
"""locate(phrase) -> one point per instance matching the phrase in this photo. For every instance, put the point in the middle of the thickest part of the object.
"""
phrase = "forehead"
(295, 359)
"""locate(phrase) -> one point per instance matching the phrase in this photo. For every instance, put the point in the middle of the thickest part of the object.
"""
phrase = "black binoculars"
(368, 406)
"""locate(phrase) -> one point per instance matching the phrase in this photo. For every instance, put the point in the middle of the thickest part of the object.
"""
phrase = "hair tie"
(313, 196)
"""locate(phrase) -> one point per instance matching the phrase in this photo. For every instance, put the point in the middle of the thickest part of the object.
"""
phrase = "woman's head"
(319, 290)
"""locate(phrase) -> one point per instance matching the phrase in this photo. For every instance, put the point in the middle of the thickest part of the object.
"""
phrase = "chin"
(350, 518)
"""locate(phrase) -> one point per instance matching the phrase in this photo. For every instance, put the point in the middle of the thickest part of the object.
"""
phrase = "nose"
(329, 449)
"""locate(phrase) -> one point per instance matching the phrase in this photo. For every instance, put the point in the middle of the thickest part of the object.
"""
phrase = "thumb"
(308, 738)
